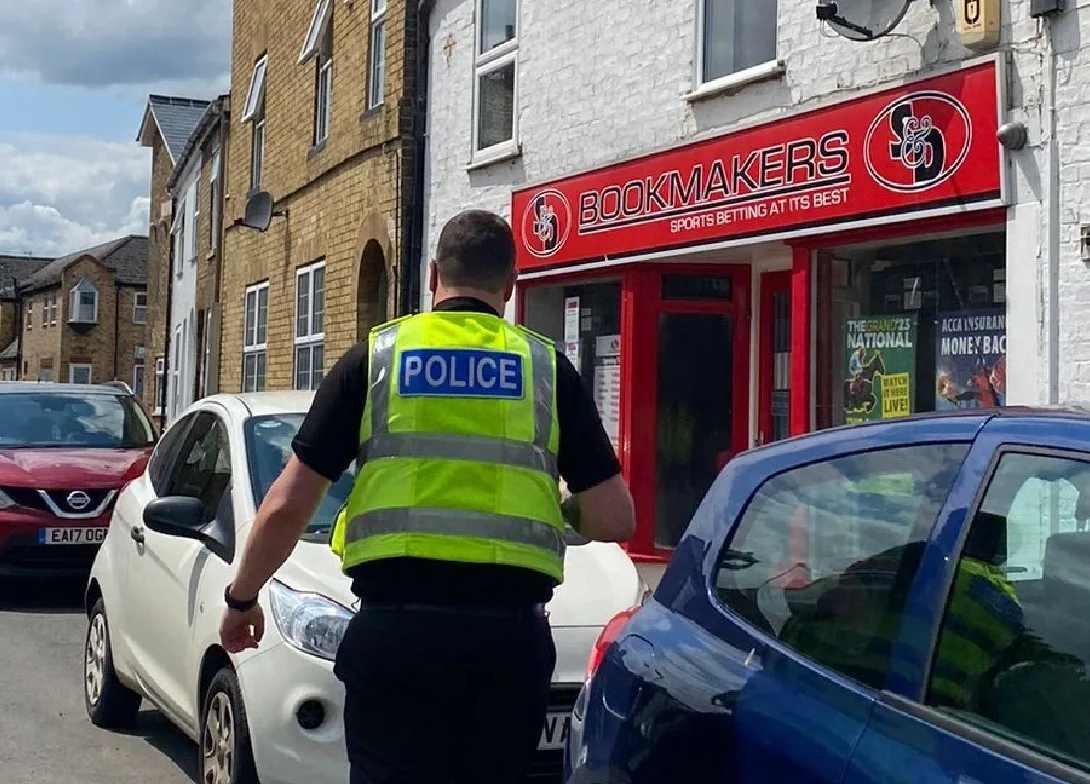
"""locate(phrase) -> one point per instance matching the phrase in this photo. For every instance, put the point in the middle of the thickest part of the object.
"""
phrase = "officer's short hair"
(476, 250)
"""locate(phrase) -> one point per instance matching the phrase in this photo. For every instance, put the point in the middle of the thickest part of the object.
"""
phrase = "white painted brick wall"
(602, 81)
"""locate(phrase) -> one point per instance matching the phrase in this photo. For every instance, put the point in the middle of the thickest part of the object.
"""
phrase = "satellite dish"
(862, 20)
(259, 211)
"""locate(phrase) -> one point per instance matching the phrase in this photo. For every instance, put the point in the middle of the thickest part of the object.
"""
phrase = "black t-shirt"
(328, 441)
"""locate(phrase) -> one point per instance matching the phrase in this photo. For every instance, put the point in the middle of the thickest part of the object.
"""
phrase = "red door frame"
(641, 305)
(772, 283)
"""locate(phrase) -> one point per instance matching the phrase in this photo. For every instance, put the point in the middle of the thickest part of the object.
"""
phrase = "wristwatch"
(238, 604)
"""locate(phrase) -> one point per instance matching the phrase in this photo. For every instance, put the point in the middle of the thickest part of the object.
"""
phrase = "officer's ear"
(433, 276)
(509, 287)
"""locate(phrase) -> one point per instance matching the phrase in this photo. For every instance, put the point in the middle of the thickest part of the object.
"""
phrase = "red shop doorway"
(689, 413)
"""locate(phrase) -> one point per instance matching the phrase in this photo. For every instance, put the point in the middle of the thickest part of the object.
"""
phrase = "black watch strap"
(238, 604)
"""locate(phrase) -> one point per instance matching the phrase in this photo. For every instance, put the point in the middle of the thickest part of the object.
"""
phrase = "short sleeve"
(586, 457)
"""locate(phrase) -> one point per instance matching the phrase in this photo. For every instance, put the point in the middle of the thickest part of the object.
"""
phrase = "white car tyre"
(226, 754)
(110, 703)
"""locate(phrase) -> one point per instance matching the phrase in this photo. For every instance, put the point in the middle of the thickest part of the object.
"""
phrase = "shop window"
(697, 287)
(585, 320)
(911, 327)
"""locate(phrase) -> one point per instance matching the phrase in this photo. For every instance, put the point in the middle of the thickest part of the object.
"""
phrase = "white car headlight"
(5, 501)
(308, 621)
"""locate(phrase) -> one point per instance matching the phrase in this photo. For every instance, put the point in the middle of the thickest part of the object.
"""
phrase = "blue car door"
(761, 655)
(991, 682)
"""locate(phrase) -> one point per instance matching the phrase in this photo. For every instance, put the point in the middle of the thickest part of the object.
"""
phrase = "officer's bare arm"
(288, 506)
(604, 512)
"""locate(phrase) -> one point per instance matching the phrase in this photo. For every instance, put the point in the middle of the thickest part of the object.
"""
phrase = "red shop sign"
(929, 145)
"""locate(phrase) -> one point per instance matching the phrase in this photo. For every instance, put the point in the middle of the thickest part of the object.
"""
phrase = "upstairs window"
(319, 45)
(494, 121)
(254, 113)
(51, 308)
(376, 66)
(735, 35)
(83, 303)
(29, 313)
(216, 205)
(140, 307)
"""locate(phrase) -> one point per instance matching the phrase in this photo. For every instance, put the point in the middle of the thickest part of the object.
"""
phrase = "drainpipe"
(117, 325)
(166, 328)
(413, 248)
(18, 328)
(1053, 281)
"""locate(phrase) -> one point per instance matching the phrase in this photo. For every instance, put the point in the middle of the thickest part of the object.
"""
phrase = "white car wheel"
(108, 701)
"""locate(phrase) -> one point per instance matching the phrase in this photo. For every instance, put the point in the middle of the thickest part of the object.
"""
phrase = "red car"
(66, 450)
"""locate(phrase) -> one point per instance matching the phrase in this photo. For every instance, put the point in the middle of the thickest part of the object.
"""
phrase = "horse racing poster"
(970, 359)
(880, 362)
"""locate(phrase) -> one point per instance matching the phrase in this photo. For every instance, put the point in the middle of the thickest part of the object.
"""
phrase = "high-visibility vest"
(458, 446)
(983, 619)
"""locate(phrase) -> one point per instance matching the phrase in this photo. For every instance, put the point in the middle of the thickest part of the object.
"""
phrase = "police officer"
(461, 424)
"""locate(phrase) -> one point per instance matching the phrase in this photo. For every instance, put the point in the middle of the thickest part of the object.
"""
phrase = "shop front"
(833, 266)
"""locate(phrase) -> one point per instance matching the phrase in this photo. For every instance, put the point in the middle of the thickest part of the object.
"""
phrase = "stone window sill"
(504, 151)
(732, 83)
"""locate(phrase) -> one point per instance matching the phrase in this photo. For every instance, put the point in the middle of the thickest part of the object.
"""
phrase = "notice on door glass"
(571, 331)
(607, 385)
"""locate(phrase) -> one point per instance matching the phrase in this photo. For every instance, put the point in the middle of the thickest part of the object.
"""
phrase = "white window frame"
(215, 213)
(323, 93)
(7, 374)
(251, 345)
(157, 402)
(318, 23)
(74, 316)
(51, 305)
(177, 239)
(706, 87)
(257, 152)
(138, 390)
(485, 63)
(137, 307)
(376, 56)
(255, 96)
(45, 311)
(309, 336)
(29, 313)
(73, 366)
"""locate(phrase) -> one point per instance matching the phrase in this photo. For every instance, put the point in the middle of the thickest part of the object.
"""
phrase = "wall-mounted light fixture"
(1013, 136)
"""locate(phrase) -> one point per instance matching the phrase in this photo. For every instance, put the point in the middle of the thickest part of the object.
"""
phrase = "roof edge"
(143, 135)
(217, 111)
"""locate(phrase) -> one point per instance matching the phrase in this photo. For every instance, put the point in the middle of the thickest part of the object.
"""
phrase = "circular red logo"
(546, 222)
(918, 141)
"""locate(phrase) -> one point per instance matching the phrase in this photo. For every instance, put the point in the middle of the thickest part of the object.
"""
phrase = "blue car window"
(824, 555)
(1013, 653)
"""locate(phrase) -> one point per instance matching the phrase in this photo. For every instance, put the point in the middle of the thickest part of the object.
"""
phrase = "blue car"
(902, 602)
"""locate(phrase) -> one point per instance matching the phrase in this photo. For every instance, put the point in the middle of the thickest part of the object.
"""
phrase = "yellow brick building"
(319, 122)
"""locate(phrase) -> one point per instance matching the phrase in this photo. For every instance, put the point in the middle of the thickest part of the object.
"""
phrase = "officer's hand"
(242, 630)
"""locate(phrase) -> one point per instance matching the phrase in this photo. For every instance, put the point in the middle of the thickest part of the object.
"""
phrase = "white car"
(154, 603)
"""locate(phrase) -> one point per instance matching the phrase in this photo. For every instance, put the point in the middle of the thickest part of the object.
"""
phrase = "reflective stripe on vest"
(455, 522)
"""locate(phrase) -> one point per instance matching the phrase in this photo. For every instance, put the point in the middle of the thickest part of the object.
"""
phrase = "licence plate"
(72, 535)
(555, 731)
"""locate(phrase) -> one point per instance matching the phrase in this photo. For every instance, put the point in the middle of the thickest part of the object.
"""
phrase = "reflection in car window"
(58, 419)
(165, 452)
(1014, 648)
(824, 555)
(268, 449)
(203, 468)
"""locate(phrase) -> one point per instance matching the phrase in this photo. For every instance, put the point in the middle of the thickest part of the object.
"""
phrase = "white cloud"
(59, 194)
(103, 43)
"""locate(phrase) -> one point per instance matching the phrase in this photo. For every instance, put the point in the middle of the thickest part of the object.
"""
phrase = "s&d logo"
(546, 223)
(918, 141)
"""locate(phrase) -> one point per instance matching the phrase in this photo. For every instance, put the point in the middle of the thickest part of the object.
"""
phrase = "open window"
(254, 113)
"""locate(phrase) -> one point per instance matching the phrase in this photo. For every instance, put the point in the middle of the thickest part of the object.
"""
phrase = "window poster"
(607, 385)
(880, 360)
(571, 331)
(970, 359)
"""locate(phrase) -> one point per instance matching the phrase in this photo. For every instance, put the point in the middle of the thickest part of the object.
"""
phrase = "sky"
(74, 81)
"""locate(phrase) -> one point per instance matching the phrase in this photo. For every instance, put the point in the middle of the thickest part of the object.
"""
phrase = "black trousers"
(439, 696)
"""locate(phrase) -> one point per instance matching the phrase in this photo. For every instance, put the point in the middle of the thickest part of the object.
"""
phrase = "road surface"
(45, 736)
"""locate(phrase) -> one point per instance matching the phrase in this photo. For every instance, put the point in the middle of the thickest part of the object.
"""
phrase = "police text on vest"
(460, 372)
